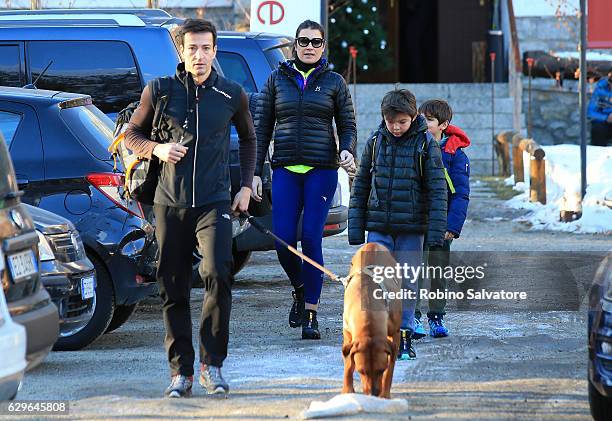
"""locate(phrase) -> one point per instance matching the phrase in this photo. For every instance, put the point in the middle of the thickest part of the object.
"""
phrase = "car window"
(92, 127)
(278, 54)
(8, 125)
(236, 68)
(105, 70)
(10, 66)
(7, 175)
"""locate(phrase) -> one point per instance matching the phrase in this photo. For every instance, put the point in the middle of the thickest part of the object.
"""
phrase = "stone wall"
(555, 112)
(548, 33)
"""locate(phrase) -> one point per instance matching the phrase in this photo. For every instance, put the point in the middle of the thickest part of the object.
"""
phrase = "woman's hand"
(256, 192)
(346, 159)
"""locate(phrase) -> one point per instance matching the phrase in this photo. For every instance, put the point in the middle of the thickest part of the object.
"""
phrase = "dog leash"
(254, 222)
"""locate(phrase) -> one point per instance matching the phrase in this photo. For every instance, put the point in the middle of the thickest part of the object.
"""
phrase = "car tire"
(120, 316)
(600, 405)
(240, 260)
(103, 313)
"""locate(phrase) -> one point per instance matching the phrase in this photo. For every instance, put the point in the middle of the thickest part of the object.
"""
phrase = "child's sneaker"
(406, 348)
(212, 380)
(436, 326)
(419, 330)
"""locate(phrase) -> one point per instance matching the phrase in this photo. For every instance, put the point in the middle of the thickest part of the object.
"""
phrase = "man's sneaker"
(212, 380)
(296, 315)
(436, 326)
(419, 330)
(310, 327)
(406, 348)
(180, 387)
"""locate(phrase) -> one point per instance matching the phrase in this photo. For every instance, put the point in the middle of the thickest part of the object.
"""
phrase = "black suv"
(113, 60)
(28, 301)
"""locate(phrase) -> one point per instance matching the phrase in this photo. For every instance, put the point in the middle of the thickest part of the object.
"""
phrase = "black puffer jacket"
(405, 201)
(303, 117)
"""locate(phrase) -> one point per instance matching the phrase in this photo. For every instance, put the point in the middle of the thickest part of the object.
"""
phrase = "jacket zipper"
(389, 188)
(195, 158)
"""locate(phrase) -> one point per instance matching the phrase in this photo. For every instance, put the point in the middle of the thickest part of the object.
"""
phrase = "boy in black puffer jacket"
(399, 195)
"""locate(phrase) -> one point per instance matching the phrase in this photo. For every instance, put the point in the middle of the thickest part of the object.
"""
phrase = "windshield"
(7, 174)
(91, 127)
(278, 53)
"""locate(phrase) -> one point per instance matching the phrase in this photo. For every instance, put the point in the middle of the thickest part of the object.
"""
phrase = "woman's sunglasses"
(304, 41)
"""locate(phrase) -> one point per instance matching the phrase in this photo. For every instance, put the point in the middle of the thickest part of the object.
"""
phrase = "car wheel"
(102, 315)
(600, 405)
(120, 316)
(240, 260)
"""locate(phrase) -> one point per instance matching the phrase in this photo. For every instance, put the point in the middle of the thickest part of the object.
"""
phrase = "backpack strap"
(161, 102)
(375, 145)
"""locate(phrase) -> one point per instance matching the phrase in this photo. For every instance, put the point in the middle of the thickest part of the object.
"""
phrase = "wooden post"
(537, 180)
(517, 159)
(502, 148)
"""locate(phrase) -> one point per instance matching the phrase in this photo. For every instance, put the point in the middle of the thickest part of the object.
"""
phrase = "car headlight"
(45, 252)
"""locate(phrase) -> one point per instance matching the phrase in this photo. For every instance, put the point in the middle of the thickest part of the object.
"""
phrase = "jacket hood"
(603, 84)
(418, 125)
(456, 139)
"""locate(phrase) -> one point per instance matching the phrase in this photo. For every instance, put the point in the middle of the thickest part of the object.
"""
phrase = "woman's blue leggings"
(311, 192)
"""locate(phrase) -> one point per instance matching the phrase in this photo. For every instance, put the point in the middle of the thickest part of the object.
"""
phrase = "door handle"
(22, 182)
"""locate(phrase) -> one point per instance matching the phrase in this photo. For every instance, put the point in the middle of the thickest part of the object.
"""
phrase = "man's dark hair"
(399, 101)
(193, 26)
(438, 109)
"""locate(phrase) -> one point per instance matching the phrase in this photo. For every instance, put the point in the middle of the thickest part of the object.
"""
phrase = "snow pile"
(563, 191)
(353, 403)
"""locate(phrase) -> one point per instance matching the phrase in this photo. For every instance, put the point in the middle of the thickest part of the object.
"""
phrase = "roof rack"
(84, 17)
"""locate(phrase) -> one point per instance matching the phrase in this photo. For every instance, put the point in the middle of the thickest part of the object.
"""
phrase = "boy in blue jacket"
(600, 113)
(452, 140)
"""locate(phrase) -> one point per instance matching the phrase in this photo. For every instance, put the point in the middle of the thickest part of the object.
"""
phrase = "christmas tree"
(355, 23)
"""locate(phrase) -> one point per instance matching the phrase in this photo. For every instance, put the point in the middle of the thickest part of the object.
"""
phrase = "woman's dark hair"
(399, 101)
(307, 24)
(193, 26)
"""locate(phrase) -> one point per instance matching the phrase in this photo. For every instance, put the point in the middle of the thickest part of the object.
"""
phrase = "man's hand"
(241, 201)
(170, 152)
(346, 159)
(257, 188)
(609, 119)
(449, 235)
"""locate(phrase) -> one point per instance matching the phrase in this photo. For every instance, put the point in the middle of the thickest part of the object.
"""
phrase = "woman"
(298, 103)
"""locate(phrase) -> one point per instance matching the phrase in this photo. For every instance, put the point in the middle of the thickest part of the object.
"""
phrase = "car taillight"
(112, 186)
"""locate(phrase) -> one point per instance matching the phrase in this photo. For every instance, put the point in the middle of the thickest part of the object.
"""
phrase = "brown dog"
(371, 327)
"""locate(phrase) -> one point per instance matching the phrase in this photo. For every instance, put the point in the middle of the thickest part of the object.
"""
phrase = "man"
(192, 200)
(600, 113)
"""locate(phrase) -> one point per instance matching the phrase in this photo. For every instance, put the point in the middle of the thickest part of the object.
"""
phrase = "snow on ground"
(563, 191)
(353, 403)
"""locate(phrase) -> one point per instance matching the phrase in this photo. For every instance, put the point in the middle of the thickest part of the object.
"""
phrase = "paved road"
(499, 362)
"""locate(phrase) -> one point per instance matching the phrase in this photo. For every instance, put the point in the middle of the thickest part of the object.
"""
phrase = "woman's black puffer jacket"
(304, 134)
(406, 200)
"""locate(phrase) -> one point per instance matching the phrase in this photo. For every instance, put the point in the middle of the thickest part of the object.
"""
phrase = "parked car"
(12, 347)
(600, 342)
(58, 143)
(69, 277)
(28, 302)
(111, 60)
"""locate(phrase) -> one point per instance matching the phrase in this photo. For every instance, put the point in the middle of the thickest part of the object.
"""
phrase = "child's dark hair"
(194, 26)
(399, 101)
(438, 109)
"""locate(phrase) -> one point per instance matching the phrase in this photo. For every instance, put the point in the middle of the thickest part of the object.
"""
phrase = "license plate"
(22, 265)
(87, 287)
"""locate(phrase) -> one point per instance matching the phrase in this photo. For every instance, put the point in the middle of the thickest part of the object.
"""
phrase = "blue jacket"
(457, 167)
(600, 106)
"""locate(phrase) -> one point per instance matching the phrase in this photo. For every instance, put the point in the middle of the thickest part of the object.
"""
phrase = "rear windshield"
(92, 127)
(7, 174)
(278, 53)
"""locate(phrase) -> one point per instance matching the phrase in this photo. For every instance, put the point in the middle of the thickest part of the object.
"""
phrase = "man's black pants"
(177, 231)
(601, 133)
